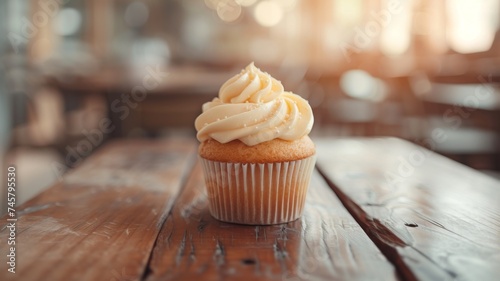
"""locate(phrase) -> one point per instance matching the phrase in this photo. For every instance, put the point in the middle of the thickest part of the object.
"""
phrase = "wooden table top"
(377, 209)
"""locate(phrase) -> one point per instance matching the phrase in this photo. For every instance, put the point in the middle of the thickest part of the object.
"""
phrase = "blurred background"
(77, 73)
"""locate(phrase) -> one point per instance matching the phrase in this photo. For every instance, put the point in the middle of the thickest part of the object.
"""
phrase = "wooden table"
(377, 209)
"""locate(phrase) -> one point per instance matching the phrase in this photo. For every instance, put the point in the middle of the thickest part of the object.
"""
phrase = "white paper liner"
(268, 193)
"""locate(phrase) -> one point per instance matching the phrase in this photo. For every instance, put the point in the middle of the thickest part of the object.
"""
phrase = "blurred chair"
(44, 123)
(37, 130)
(467, 116)
(400, 114)
(45, 128)
(364, 105)
(353, 117)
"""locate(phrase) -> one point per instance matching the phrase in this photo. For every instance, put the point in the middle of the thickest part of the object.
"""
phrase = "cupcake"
(255, 150)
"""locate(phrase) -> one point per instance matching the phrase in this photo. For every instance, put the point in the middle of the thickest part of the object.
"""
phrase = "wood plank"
(325, 244)
(101, 221)
(434, 218)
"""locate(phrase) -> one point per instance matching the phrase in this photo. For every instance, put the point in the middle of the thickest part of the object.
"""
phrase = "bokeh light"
(246, 3)
(68, 21)
(268, 13)
(472, 25)
(360, 84)
(228, 10)
(347, 12)
(396, 36)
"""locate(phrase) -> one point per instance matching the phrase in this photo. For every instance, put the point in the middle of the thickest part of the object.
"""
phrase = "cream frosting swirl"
(253, 107)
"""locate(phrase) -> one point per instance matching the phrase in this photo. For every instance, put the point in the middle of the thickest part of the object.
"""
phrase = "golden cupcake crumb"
(273, 151)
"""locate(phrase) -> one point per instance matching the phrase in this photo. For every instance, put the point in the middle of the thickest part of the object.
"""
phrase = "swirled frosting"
(253, 107)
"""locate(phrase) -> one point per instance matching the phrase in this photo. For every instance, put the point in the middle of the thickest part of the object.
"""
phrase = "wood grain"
(435, 219)
(137, 210)
(101, 221)
(325, 244)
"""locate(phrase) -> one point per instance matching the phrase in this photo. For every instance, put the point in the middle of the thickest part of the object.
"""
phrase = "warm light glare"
(396, 36)
(268, 13)
(347, 12)
(472, 24)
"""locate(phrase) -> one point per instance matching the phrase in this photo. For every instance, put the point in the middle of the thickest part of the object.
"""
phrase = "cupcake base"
(257, 194)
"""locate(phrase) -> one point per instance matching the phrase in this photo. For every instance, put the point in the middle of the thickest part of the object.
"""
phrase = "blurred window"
(472, 24)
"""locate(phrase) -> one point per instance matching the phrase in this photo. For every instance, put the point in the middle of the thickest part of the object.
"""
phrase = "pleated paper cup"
(257, 194)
